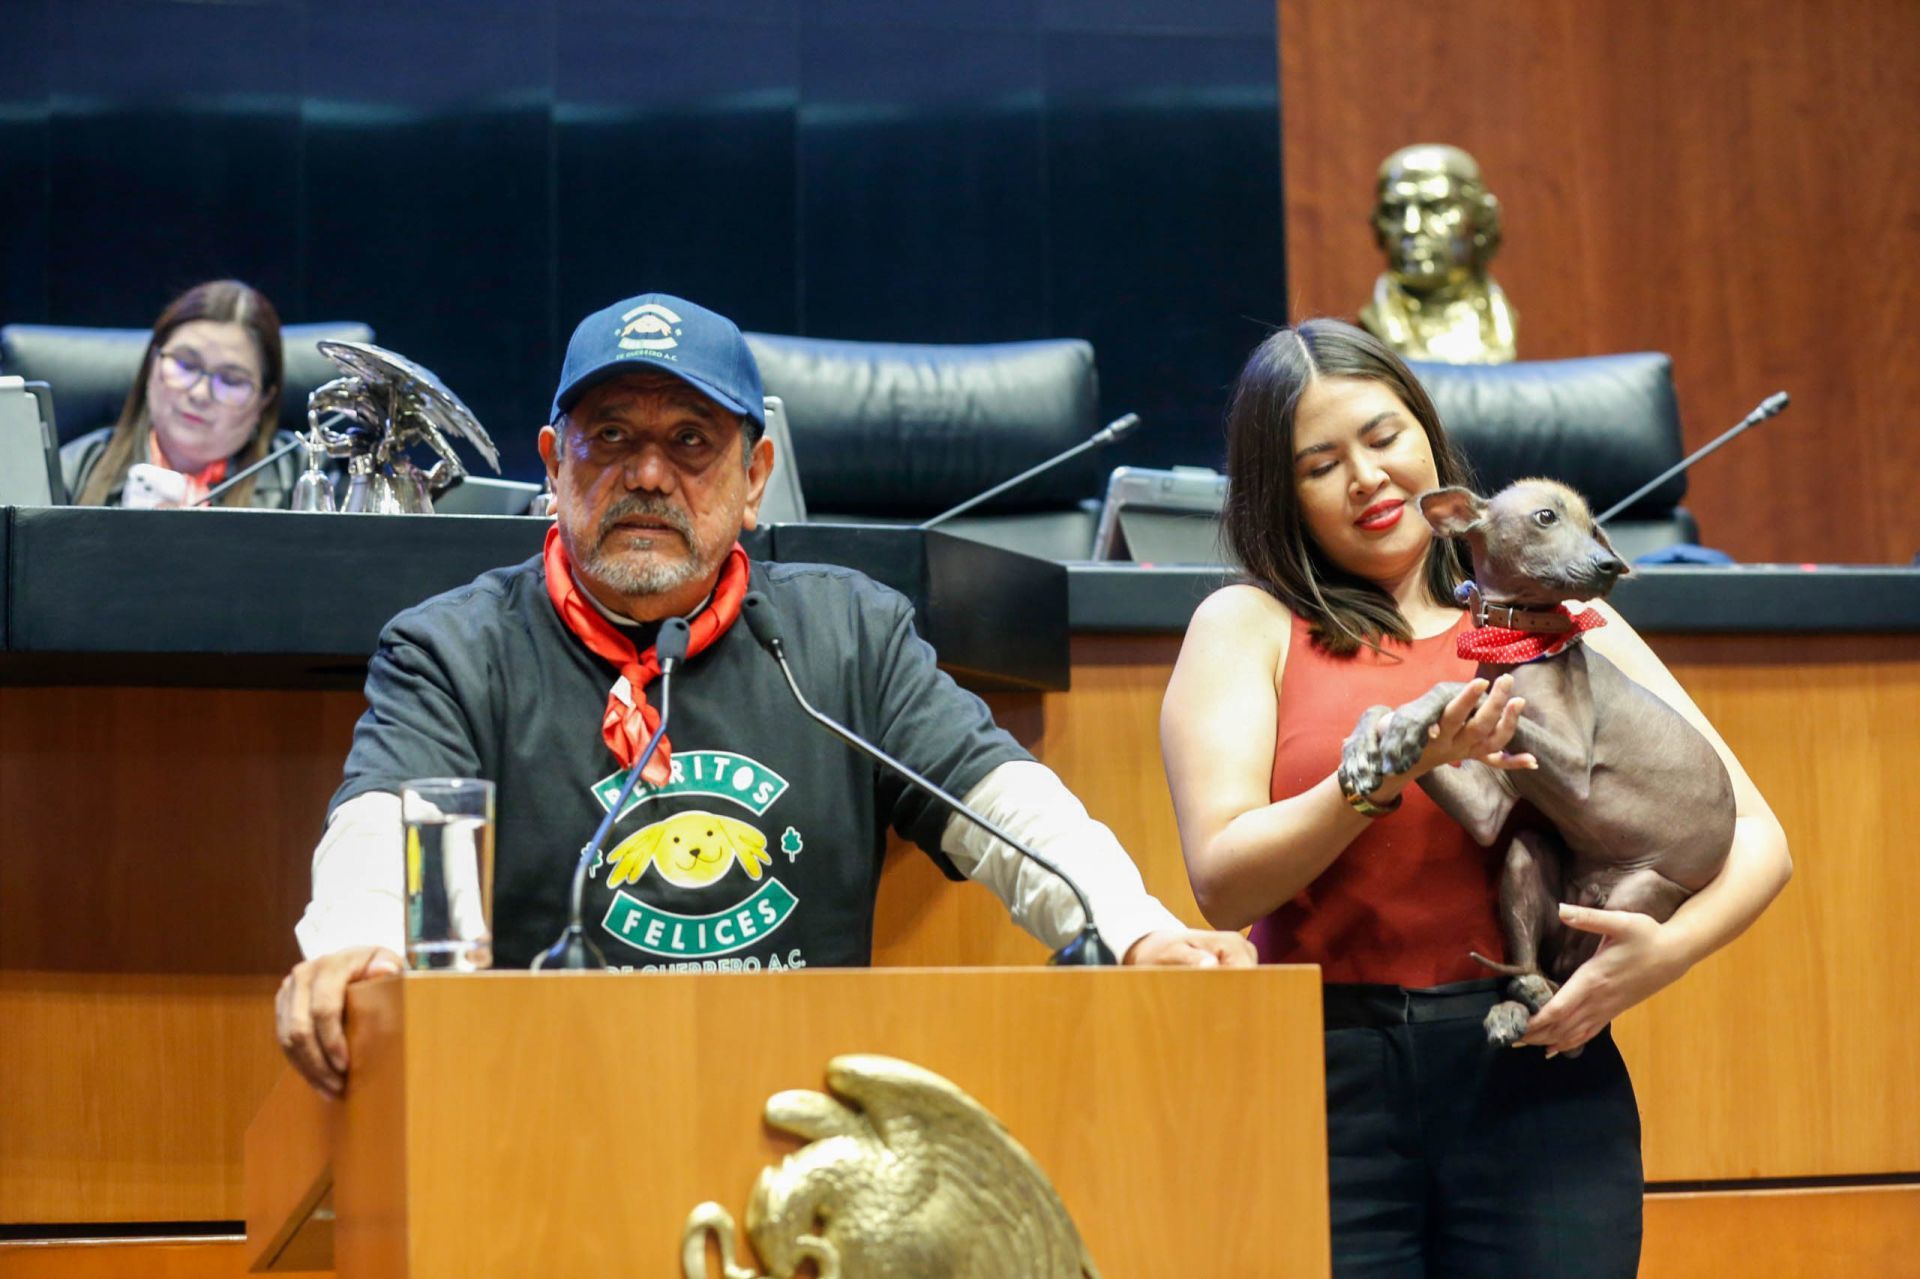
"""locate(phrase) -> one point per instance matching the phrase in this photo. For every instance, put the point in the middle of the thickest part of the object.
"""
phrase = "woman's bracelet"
(1366, 807)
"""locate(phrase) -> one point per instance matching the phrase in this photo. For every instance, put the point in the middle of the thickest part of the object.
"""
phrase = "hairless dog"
(1638, 805)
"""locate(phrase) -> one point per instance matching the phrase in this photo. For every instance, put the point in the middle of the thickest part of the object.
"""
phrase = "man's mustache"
(657, 508)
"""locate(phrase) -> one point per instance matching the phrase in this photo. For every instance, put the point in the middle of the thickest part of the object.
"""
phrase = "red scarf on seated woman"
(198, 482)
(629, 720)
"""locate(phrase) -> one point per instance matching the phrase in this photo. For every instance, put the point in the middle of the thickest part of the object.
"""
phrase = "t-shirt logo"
(698, 849)
(649, 327)
(719, 774)
(691, 849)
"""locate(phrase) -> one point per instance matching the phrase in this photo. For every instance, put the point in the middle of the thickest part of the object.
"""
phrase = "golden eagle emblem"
(903, 1174)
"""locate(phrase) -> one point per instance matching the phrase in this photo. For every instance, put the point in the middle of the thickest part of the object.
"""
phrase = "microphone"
(1766, 409)
(574, 949)
(1100, 438)
(1086, 949)
(266, 461)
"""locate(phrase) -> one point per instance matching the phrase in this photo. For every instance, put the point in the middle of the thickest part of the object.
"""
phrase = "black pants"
(1451, 1158)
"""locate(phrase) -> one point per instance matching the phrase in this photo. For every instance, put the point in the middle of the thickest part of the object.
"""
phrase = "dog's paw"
(1505, 1023)
(1531, 989)
(1360, 772)
(1403, 739)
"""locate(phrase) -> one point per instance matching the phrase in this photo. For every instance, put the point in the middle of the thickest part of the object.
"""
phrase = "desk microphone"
(1086, 949)
(1100, 438)
(264, 462)
(1766, 409)
(574, 949)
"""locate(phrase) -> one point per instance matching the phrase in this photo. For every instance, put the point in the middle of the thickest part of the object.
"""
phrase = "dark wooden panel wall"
(1730, 181)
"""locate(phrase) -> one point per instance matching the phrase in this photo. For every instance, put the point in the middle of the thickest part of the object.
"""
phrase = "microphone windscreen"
(762, 620)
(671, 644)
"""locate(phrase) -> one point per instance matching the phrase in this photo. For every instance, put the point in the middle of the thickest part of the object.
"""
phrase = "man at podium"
(755, 840)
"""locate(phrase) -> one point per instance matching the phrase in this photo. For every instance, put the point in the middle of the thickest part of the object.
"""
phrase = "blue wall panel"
(429, 148)
(471, 176)
(676, 159)
(26, 105)
(168, 170)
(1165, 220)
(921, 179)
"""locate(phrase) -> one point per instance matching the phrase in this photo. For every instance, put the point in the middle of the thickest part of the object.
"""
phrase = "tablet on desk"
(474, 495)
(29, 446)
(1162, 517)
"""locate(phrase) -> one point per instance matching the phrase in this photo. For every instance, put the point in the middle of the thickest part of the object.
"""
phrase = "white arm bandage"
(1029, 801)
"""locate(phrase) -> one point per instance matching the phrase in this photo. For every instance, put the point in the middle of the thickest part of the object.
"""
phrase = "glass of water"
(449, 852)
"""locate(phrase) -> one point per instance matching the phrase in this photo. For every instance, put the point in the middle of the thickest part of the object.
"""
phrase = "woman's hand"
(1637, 958)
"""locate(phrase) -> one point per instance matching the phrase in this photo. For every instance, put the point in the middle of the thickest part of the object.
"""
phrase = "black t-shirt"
(764, 849)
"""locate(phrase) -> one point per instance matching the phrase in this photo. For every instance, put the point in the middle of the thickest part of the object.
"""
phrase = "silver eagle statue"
(382, 406)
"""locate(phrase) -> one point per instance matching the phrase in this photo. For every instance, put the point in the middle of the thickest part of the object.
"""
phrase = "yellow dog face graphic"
(691, 849)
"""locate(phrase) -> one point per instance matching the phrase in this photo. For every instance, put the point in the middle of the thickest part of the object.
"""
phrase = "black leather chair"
(1605, 425)
(91, 370)
(896, 433)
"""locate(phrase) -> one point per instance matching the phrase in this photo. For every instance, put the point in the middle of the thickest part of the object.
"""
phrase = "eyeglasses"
(182, 370)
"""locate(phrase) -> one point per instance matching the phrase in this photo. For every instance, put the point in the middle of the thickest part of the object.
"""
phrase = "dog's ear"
(1452, 512)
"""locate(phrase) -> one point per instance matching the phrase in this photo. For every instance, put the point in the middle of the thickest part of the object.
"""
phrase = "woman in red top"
(1446, 1156)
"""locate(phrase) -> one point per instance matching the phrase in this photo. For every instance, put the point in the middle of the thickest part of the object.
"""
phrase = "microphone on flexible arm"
(1086, 949)
(264, 462)
(1099, 439)
(1766, 409)
(574, 949)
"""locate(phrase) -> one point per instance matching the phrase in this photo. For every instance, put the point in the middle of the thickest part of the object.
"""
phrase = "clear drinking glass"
(449, 852)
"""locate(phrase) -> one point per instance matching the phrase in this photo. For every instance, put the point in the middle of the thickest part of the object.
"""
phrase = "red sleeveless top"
(1412, 894)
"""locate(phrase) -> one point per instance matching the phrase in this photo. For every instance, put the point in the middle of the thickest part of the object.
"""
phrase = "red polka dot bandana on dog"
(1503, 646)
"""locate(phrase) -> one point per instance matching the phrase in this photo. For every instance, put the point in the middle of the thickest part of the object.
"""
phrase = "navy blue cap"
(657, 331)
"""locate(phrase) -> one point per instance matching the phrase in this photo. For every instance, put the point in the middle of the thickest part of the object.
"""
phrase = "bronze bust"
(1439, 227)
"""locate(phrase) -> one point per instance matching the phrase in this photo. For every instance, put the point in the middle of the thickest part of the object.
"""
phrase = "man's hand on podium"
(1191, 948)
(310, 1012)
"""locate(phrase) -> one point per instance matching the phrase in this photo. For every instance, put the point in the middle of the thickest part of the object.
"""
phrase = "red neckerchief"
(198, 482)
(1503, 646)
(629, 720)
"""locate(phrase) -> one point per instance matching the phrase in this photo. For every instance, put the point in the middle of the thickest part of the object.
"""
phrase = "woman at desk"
(1446, 1156)
(204, 407)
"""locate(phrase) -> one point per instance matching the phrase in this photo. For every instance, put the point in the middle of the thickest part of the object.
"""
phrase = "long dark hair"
(1262, 517)
(223, 301)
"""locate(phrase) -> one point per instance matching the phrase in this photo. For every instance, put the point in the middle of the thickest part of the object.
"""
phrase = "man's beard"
(644, 577)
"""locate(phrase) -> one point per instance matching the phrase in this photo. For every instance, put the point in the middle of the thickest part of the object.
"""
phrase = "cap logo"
(649, 327)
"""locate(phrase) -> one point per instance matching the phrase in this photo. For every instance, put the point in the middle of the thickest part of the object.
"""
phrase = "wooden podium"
(546, 1124)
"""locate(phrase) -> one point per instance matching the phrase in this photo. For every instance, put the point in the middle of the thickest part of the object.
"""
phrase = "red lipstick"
(1381, 516)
